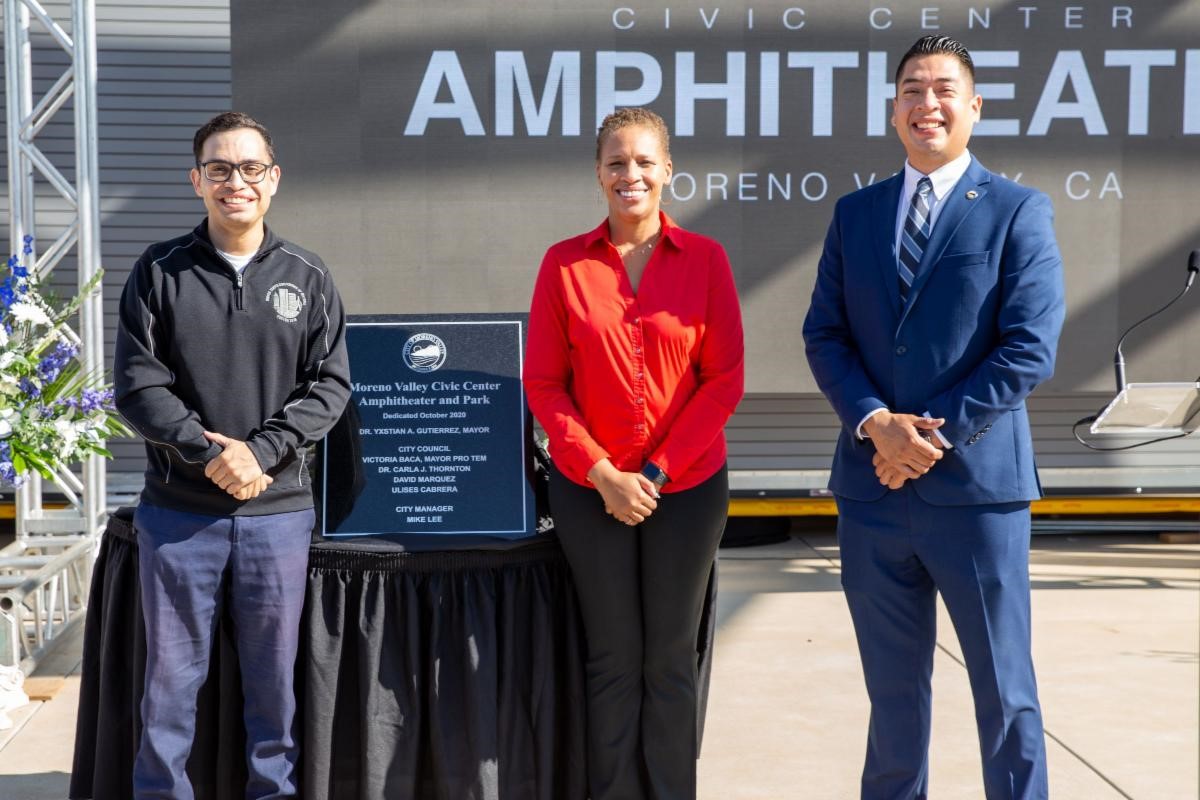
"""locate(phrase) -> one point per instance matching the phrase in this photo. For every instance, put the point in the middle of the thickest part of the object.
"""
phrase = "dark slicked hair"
(938, 46)
(230, 121)
(630, 117)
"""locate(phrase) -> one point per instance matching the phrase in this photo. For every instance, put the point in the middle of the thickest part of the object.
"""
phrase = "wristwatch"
(655, 474)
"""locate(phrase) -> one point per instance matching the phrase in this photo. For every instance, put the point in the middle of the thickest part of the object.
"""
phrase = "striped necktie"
(915, 237)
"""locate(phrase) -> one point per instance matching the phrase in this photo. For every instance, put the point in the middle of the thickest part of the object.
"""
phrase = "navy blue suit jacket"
(978, 333)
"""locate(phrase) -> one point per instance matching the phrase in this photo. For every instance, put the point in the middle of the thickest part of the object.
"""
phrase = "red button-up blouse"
(636, 377)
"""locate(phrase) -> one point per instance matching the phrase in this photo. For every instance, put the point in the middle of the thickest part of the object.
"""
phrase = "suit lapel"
(887, 205)
(957, 207)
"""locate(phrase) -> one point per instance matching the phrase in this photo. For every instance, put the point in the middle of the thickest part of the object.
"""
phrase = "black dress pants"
(641, 590)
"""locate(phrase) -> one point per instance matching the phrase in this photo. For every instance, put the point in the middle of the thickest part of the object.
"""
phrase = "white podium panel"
(1153, 409)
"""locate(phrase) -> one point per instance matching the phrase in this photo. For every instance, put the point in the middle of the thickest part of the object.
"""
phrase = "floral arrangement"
(51, 414)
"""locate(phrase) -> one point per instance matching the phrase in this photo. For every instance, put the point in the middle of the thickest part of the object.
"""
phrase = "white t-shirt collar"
(237, 262)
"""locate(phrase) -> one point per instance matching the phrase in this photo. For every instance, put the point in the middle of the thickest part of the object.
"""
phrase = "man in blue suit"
(936, 311)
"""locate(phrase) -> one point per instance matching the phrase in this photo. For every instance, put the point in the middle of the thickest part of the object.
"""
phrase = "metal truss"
(45, 572)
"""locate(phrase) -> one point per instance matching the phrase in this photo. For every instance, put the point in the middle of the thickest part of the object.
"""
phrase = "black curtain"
(443, 675)
(421, 675)
(454, 675)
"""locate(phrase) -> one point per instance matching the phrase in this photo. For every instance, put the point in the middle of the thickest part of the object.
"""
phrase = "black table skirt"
(439, 676)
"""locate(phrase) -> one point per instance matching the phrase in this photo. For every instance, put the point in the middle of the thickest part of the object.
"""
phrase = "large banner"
(433, 151)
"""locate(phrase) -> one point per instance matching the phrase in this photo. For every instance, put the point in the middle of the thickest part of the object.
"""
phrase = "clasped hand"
(236, 470)
(628, 496)
(902, 452)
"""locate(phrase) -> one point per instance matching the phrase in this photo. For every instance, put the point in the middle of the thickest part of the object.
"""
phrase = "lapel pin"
(971, 195)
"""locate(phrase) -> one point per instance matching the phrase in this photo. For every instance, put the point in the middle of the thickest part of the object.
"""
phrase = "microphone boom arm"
(1118, 356)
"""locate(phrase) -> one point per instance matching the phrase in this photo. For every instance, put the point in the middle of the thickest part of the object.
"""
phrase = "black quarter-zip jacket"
(258, 356)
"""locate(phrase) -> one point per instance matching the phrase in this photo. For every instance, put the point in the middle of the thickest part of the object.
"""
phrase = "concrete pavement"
(1116, 641)
(1117, 645)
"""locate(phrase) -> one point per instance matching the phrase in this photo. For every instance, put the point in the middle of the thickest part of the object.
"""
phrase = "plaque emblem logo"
(287, 300)
(424, 352)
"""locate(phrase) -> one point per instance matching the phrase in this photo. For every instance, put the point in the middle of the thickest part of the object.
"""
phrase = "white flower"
(27, 312)
(66, 428)
(68, 435)
(3, 336)
(6, 358)
(6, 417)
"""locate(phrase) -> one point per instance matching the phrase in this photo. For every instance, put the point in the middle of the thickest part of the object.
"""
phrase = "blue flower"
(62, 404)
(95, 400)
(7, 295)
(8, 474)
(51, 365)
(14, 263)
(31, 389)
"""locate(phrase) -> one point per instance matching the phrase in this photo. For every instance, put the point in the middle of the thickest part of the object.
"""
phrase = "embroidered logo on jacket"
(287, 300)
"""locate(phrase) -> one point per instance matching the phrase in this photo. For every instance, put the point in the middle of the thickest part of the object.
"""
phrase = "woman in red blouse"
(634, 365)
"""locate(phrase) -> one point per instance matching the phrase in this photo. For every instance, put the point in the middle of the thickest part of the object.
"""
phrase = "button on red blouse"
(651, 376)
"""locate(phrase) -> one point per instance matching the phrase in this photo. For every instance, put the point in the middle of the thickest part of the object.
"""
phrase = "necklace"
(643, 247)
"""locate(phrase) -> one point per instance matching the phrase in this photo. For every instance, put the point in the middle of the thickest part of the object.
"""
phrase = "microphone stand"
(1193, 268)
(1119, 357)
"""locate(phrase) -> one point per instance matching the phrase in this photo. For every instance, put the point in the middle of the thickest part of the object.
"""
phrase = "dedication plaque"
(444, 427)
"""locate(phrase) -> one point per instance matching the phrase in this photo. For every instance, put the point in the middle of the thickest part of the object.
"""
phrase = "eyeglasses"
(221, 171)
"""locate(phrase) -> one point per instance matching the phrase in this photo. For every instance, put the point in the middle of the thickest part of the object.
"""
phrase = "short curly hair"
(628, 118)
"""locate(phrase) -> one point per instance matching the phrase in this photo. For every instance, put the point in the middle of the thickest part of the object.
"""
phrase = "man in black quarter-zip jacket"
(230, 362)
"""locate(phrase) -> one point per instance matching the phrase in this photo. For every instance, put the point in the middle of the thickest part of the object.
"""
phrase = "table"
(456, 675)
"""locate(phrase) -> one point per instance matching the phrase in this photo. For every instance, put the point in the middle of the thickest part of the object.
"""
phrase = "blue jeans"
(191, 565)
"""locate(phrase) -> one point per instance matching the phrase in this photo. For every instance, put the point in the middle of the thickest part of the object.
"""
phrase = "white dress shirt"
(944, 179)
